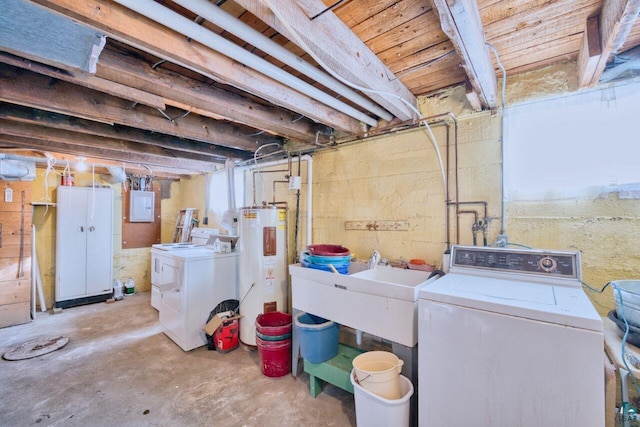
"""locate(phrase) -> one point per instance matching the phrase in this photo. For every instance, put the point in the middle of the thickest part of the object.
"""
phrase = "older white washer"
(191, 282)
(509, 338)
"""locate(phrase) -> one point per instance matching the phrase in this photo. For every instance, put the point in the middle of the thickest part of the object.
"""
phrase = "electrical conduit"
(177, 22)
(224, 20)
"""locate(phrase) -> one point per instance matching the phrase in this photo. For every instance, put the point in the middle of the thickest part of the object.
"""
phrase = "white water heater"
(262, 266)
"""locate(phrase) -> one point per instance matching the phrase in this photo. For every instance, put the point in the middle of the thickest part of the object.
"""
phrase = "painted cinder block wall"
(396, 178)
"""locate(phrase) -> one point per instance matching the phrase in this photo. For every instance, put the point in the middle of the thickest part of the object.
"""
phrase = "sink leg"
(410, 370)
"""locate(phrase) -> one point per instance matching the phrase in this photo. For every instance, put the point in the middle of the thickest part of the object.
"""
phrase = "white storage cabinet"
(84, 245)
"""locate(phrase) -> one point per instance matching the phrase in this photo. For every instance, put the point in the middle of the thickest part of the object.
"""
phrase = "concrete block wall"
(396, 177)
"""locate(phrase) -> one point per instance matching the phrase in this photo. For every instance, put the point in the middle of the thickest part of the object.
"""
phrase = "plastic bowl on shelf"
(320, 259)
(328, 250)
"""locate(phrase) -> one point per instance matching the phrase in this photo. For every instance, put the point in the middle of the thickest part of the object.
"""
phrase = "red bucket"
(274, 323)
(275, 357)
(328, 250)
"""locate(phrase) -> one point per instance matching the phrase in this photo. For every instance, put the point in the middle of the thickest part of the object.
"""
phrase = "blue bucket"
(342, 269)
(318, 337)
(320, 259)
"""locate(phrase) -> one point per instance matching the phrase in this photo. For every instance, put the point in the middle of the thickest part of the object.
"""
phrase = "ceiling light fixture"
(81, 165)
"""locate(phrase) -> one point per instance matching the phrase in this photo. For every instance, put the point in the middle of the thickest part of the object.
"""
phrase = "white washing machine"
(509, 338)
(191, 283)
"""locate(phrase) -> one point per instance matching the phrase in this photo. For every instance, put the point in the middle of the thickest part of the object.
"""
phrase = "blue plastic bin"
(318, 337)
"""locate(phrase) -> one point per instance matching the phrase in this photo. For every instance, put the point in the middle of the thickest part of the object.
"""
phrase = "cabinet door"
(99, 233)
(71, 232)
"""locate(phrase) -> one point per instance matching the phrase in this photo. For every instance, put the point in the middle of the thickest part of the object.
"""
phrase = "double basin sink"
(382, 301)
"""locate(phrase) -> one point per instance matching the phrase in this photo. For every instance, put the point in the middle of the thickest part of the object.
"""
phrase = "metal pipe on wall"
(309, 161)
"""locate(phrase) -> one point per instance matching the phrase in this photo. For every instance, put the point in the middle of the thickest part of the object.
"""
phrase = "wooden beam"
(86, 80)
(133, 161)
(159, 172)
(616, 20)
(107, 148)
(33, 90)
(460, 21)
(590, 52)
(28, 115)
(135, 30)
(206, 100)
(472, 96)
(333, 41)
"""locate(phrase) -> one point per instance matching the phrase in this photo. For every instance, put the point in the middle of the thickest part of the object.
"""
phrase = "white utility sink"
(394, 282)
(381, 301)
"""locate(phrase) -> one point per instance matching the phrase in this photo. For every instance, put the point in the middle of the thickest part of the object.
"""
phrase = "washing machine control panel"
(528, 261)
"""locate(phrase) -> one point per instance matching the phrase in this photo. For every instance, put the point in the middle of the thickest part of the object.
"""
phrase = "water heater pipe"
(231, 190)
(309, 161)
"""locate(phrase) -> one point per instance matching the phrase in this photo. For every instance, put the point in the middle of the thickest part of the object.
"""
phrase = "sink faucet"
(374, 260)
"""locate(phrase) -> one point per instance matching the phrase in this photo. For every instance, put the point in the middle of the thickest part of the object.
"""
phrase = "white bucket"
(378, 372)
(375, 411)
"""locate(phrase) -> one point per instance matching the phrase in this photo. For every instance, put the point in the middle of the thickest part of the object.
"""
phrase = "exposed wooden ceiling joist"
(188, 94)
(58, 121)
(329, 39)
(101, 147)
(615, 21)
(33, 90)
(133, 29)
(60, 160)
(460, 21)
(86, 80)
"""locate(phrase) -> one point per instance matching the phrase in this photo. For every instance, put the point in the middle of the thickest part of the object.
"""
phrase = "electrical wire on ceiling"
(294, 33)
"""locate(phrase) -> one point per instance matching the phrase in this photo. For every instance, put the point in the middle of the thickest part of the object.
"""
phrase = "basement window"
(583, 145)
(218, 191)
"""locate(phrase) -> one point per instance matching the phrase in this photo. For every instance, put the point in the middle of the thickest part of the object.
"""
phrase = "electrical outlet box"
(502, 241)
(295, 183)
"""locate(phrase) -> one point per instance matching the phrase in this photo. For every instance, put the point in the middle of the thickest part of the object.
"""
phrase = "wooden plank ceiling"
(180, 86)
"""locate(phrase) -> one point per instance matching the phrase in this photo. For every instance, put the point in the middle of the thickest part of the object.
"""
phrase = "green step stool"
(335, 370)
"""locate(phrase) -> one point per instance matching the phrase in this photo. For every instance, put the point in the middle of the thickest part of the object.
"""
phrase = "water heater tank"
(262, 266)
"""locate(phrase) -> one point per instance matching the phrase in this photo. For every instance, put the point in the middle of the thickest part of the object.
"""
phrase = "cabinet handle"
(92, 229)
(81, 229)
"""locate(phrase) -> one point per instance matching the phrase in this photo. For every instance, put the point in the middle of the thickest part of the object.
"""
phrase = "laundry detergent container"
(318, 337)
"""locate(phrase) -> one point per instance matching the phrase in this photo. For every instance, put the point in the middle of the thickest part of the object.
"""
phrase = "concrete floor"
(120, 369)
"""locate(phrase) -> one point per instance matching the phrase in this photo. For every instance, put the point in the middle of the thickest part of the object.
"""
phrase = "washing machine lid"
(562, 305)
(193, 253)
(173, 246)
